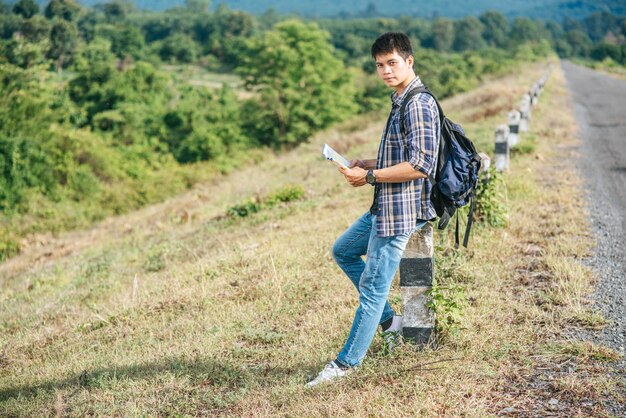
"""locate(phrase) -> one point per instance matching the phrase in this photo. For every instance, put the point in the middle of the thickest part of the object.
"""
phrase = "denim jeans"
(372, 279)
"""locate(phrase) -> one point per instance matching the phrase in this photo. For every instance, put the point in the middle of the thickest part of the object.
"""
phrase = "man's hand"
(357, 163)
(355, 175)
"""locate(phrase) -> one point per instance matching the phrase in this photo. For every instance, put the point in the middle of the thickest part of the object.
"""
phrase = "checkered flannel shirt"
(399, 206)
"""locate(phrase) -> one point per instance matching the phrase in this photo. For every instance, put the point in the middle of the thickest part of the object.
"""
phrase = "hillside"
(177, 309)
(540, 9)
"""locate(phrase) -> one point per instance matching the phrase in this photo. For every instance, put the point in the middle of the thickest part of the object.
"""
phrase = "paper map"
(334, 156)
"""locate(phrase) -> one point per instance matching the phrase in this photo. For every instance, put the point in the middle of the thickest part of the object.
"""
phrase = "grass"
(179, 310)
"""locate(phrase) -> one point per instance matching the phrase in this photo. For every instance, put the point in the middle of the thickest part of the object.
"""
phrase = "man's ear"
(410, 60)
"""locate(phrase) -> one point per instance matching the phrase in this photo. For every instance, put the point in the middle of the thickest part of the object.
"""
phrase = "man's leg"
(383, 258)
(348, 250)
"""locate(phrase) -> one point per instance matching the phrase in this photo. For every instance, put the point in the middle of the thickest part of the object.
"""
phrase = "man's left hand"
(355, 176)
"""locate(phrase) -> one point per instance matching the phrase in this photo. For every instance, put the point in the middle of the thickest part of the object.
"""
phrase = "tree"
(22, 53)
(554, 30)
(603, 50)
(26, 8)
(598, 24)
(127, 40)
(468, 34)
(204, 125)
(580, 43)
(524, 30)
(495, 29)
(63, 38)
(179, 47)
(115, 10)
(35, 29)
(198, 6)
(62, 9)
(442, 34)
(302, 87)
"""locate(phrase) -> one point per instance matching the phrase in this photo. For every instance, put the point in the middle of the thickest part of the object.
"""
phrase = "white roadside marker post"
(417, 271)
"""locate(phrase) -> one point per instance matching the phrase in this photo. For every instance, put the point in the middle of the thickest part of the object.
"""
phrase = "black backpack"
(456, 175)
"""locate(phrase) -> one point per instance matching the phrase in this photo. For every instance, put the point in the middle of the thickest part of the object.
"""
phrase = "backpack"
(456, 175)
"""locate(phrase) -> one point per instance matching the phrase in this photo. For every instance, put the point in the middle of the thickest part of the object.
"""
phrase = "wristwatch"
(370, 177)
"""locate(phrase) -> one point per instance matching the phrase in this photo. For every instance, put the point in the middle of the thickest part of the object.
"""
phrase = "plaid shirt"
(399, 206)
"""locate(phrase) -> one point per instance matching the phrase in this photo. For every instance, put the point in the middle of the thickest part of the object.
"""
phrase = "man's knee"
(338, 251)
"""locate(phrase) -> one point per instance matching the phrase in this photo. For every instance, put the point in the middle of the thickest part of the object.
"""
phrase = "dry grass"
(177, 310)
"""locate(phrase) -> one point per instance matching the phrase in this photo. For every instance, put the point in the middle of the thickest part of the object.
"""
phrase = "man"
(401, 204)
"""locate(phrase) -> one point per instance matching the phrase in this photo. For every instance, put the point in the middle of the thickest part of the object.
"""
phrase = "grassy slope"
(175, 309)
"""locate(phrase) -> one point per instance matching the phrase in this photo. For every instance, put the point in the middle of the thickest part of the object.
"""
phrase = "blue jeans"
(372, 279)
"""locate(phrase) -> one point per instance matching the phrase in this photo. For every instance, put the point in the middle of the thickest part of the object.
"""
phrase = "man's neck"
(400, 87)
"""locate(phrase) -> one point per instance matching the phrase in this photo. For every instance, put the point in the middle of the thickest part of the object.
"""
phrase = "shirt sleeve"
(422, 142)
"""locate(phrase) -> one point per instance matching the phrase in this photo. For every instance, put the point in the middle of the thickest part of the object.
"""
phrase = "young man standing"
(400, 207)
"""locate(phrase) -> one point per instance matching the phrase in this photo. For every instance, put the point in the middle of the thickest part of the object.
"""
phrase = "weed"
(448, 302)
(491, 201)
(256, 204)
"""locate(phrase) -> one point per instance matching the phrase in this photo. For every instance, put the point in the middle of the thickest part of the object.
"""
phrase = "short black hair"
(392, 41)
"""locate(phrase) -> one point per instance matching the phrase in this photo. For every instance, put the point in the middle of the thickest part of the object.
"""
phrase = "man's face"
(393, 69)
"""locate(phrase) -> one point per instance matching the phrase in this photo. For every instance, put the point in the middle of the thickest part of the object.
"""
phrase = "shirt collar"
(397, 100)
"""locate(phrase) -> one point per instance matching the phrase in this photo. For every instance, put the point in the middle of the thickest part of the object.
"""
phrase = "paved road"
(600, 108)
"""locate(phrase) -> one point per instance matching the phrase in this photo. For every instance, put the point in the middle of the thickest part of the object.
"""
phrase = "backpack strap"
(470, 219)
(405, 102)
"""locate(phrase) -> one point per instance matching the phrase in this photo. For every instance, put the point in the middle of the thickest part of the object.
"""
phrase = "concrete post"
(485, 163)
(534, 95)
(417, 271)
(524, 109)
(502, 148)
(514, 121)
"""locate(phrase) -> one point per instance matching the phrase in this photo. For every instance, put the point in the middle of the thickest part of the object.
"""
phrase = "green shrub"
(285, 194)
(448, 303)
(491, 201)
(256, 204)
(248, 207)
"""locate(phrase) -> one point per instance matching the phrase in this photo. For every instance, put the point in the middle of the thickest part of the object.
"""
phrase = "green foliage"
(178, 47)
(62, 9)
(491, 201)
(256, 204)
(448, 303)
(116, 10)
(26, 8)
(468, 34)
(63, 40)
(579, 42)
(35, 29)
(603, 50)
(495, 29)
(442, 34)
(302, 86)
(204, 125)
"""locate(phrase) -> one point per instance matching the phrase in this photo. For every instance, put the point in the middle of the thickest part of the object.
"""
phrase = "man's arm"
(364, 164)
(421, 145)
(395, 174)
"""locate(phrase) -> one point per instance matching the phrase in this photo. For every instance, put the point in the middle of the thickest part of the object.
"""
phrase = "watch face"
(370, 177)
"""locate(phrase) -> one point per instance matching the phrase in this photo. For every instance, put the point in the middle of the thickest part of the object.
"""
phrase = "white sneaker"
(393, 334)
(330, 372)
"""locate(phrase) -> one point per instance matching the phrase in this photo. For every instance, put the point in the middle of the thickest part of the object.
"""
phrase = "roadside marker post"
(501, 151)
(514, 121)
(524, 109)
(417, 271)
